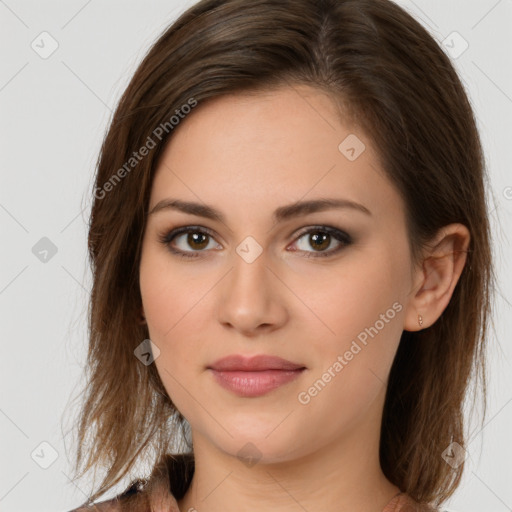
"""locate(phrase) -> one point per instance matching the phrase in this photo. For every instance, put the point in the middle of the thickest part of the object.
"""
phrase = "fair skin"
(246, 155)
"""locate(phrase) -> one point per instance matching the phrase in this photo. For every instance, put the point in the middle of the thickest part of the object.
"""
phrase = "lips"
(254, 376)
(253, 364)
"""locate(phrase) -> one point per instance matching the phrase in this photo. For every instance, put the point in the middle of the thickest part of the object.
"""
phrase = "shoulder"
(405, 503)
(414, 506)
(112, 505)
(118, 503)
(167, 483)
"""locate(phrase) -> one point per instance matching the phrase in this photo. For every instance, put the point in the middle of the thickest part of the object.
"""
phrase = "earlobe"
(439, 274)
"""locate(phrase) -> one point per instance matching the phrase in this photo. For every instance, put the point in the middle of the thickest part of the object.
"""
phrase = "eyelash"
(342, 237)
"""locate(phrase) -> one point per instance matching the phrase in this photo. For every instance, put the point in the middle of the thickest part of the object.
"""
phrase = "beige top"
(403, 503)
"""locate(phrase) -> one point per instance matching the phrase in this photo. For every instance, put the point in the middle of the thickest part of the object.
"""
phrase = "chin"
(257, 446)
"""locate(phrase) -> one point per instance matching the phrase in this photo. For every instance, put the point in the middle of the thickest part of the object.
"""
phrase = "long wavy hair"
(395, 82)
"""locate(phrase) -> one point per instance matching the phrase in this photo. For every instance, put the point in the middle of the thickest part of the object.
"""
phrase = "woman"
(292, 265)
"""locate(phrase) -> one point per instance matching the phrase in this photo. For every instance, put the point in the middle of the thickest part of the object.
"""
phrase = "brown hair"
(385, 70)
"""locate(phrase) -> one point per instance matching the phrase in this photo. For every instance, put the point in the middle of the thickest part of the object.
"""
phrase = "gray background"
(54, 112)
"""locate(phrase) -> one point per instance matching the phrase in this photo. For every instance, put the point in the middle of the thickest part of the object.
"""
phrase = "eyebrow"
(280, 214)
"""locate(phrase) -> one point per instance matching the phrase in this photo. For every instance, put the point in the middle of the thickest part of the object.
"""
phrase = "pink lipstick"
(254, 376)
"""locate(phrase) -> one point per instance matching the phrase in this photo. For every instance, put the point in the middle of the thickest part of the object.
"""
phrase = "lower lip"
(254, 383)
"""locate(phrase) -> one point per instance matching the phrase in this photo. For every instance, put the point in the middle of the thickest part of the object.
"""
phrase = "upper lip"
(253, 363)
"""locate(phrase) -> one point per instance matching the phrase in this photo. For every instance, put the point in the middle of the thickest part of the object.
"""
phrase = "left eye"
(200, 239)
(321, 238)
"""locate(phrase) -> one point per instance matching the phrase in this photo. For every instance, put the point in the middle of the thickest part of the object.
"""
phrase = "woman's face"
(325, 288)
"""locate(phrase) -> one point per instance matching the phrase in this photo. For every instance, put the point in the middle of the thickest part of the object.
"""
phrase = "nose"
(252, 298)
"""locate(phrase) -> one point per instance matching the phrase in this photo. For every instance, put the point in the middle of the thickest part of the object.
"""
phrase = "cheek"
(174, 312)
(347, 297)
(360, 306)
(352, 366)
(168, 294)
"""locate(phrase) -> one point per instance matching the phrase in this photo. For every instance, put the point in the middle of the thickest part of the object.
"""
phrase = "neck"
(339, 477)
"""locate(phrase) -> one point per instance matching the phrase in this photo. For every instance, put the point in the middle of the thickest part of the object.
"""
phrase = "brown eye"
(197, 240)
(320, 239)
(188, 241)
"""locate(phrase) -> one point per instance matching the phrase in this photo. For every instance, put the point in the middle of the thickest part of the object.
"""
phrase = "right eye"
(197, 240)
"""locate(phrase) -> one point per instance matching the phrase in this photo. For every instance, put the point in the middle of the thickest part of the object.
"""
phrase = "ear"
(437, 276)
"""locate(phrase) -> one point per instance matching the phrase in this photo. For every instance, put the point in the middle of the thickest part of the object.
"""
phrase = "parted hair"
(392, 80)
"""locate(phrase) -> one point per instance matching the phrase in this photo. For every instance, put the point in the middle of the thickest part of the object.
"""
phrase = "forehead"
(256, 127)
(277, 146)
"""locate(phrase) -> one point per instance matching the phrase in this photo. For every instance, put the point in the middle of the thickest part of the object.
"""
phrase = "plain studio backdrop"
(64, 66)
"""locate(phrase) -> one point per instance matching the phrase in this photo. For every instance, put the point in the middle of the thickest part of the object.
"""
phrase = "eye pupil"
(192, 240)
(316, 237)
